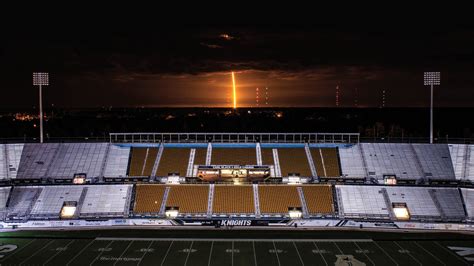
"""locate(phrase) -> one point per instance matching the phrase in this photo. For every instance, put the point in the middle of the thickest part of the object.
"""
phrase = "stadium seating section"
(189, 198)
(326, 162)
(276, 199)
(173, 160)
(229, 199)
(267, 156)
(148, 198)
(200, 156)
(319, 199)
(237, 156)
(294, 160)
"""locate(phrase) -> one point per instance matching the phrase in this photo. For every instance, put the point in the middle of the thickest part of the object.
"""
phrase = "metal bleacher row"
(364, 160)
(315, 201)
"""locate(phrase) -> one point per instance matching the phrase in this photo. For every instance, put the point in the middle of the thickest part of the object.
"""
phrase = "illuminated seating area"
(331, 162)
(200, 156)
(173, 160)
(21, 201)
(191, 199)
(233, 200)
(10, 156)
(148, 198)
(319, 199)
(237, 156)
(52, 198)
(117, 161)
(294, 160)
(150, 161)
(267, 156)
(276, 199)
(106, 201)
(136, 162)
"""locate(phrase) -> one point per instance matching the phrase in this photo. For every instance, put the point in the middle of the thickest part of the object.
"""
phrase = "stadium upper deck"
(315, 159)
(278, 178)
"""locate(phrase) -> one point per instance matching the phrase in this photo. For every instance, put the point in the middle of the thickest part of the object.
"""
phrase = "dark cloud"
(365, 56)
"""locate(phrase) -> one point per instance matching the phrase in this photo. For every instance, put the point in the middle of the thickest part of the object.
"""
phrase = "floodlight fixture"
(431, 79)
(41, 79)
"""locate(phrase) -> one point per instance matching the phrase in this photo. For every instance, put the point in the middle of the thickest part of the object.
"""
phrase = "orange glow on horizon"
(234, 90)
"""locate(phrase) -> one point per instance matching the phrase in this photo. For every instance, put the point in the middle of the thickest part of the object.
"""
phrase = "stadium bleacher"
(52, 198)
(435, 160)
(319, 199)
(137, 161)
(294, 160)
(230, 200)
(21, 202)
(234, 156)
(173, 160)
(468, 198)
(190, 199)
(71, 158)
(391, 159)
(362, 202)
(44, 200)
(117, 161)
(352, 163)
(106, 201)
(148, 198)
(276, 199)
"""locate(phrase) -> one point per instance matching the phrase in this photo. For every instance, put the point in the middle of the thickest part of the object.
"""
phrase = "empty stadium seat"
(319, 199)
(173, 160)
(148, 198)
(352, 164)
(362, 202)
(267, 156)
(52, 198)
(237, 156)
(230, 199)
(189, 198)
(106, 201)
(117, 161)
(137, 161)
(276, 199)
(294, 160)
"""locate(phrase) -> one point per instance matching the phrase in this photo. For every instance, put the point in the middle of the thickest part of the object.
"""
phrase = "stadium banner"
(233, 222)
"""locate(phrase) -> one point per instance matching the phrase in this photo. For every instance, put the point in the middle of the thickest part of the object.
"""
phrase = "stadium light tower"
(431, 79)
(40, 79)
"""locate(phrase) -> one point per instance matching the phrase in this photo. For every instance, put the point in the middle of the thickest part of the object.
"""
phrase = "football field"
(114, 250)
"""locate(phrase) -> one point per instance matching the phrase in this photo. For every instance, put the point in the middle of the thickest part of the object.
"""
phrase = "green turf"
(61, 249)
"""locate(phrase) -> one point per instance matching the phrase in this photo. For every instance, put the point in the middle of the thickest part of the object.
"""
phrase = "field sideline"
(234, 247)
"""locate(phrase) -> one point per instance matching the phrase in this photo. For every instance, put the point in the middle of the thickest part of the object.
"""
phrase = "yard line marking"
(364, 253)
(129, 244)
(319, 251)
(166, 255)
(342, 253)
(386, 253)
(450, 252)
(51, 241)
(16, 251)
(46, 262)
(210, 254)
(429, 253)
(144, 253)
(189, 252)
(409, 254)
(98, 256)
(297, 252)
(276, 253)
(254, 253)
(231, 239)
(80, 252)
(232, 260)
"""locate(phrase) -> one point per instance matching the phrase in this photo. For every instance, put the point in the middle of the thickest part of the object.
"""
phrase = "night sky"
(189, 65)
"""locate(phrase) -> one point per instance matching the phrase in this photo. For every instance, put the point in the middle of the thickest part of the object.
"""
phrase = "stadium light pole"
(431, 79)
(40, 79)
